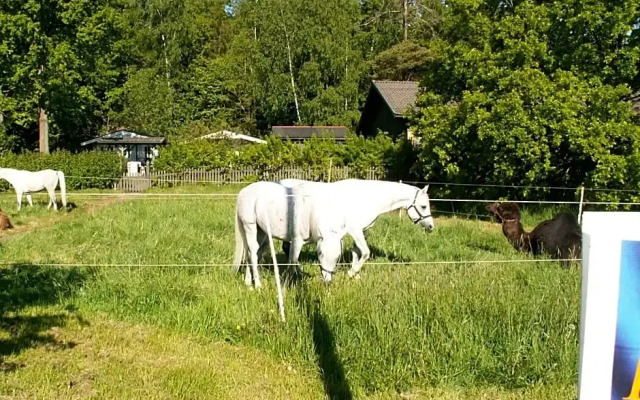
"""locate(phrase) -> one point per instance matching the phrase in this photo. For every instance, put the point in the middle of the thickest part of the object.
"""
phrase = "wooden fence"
(134, 184)
(242, 175)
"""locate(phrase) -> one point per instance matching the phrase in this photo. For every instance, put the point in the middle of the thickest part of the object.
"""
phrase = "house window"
(140, 153)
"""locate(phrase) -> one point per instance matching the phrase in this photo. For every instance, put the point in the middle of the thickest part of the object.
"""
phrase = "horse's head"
(420, 211)
(504, 212)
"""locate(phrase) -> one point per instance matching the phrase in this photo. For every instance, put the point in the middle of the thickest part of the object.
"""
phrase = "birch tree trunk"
(43, 126)
(293, 82)
(405, 18)
(43, 130)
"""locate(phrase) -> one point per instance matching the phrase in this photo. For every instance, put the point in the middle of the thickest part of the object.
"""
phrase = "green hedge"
(360, 154)
(91, 169)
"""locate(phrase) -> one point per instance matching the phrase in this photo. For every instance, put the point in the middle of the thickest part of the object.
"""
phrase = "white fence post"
(400, 209)
(580, 206)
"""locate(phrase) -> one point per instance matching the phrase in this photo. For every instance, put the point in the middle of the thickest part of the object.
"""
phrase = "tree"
(60, 57)
(509, 101)
(386, 23)
(172, 43)
(404, 61)
(305, 62)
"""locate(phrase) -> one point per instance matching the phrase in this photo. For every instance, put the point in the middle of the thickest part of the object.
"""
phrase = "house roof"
(635, 102)
(399, 95)
(125, 137)
(225, 134)
(305, 132)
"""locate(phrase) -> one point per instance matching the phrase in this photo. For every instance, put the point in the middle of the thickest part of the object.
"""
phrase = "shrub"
(204, 154)
(270, 157)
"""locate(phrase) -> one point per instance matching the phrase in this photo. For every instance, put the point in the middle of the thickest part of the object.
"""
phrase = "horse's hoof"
(357, 277)
(351, 273)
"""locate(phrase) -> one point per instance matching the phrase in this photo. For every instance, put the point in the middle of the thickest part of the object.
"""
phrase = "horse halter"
(413, 205)
(504, 219)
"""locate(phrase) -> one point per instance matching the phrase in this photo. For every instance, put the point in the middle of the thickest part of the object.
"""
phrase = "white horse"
(322, 213)
(255, 203)
(26, 182)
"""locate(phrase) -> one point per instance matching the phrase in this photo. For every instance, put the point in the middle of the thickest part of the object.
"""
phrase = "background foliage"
(515, 92)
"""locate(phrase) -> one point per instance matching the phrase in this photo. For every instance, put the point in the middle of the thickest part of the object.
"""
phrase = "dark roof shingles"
(125, 137)
(133, 140)
(635, 102)
(399, 95)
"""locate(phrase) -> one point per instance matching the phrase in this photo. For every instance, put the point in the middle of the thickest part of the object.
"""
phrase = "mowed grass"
(482, 330)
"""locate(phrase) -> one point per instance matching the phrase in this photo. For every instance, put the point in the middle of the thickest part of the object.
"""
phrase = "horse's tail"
(63, 188)
(238, 255)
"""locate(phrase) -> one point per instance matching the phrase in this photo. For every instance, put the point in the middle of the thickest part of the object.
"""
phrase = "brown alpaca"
(559, 237)
(4, 222)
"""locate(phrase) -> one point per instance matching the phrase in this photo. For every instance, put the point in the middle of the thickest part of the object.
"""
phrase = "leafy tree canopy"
(533, 93)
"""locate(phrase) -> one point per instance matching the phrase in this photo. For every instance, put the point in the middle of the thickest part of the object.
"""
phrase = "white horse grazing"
(257, 202)
(26, 182)
(322, 213)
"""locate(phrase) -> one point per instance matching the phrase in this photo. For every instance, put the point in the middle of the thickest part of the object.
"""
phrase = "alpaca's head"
(505, 212)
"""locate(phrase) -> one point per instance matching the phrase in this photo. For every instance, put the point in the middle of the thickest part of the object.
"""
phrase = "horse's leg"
(19, 196)
(263, 241)
(286, 246)
(295, 247)
(29, 199)
(52, 198)
(329, 250)
(247, 272)
(355, 257)
(361, 245)
(251, 233)
(247, 276)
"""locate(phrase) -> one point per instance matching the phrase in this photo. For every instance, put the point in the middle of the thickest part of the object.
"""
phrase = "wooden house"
(138, 149)
(385, 109)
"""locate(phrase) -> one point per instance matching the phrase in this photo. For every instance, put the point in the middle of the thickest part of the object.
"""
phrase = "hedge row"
(360, 154)
(91, 169)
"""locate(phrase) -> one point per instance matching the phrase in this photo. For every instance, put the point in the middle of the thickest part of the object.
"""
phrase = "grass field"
(485, 330)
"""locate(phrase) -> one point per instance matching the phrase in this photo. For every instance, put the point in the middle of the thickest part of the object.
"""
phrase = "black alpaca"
(560, 237)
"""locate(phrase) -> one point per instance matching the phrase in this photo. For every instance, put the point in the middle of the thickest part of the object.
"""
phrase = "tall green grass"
(400, 327)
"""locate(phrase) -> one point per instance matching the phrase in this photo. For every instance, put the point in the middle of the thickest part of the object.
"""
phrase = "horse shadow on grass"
(332, 372)
(23, 286)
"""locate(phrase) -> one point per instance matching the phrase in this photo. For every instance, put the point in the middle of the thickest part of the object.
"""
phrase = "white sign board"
(610, 311)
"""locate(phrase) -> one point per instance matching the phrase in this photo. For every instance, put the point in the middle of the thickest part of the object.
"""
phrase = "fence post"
(580, 206)
(330, 164)
(400, 209)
